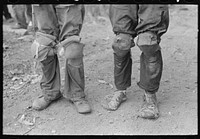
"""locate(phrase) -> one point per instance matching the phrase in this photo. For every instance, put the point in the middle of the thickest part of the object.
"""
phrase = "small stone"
(187, 87)
(186, 103)
(111, 121)
(15, 78)
(175, 126)
(21, 82)
(111, 86)
(99, 114)
(167, 80)
(51, 119)
(8, 124)
(53, 131)
(102, 81)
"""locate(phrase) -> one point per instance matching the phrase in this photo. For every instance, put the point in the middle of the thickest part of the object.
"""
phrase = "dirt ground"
(177, 95)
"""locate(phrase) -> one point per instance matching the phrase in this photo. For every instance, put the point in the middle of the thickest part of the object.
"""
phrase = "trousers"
(22, 14)
(149, 23)
(61, 22)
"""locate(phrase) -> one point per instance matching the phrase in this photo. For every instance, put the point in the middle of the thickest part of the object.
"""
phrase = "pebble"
(111, 121)
(99, 114)
(53, 131)
(8, 124)
(5, 46)
(15, 78)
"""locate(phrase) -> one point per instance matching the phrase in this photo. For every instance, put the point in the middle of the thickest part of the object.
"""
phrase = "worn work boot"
(112, 102)
(40, 103)
(82, 106)
(149, 109)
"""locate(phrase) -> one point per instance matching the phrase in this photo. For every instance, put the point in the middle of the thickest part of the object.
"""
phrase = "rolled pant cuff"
(50, 96)
(150, 90)
(75, 98)
(122, 88)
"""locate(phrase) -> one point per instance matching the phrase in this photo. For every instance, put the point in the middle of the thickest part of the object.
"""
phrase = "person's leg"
(71, 19)
(43, 51)
(19, 15)
(151, 65)
(154, 20)
(6, 13)
(28, 13)
(123, 19)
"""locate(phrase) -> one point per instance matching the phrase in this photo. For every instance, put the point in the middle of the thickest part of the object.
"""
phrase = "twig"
(28, 130)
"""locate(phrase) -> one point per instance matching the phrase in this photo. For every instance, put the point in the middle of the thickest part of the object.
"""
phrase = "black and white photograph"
(100, 69)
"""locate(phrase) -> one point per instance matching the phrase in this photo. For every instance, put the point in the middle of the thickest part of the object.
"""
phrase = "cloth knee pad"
(43, 46)
(74, 50)
(148, 43)
(71, 48)
(122, 44)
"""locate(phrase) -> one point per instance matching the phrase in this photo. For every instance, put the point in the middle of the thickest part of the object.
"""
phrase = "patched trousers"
(149, 23)
(57, 23)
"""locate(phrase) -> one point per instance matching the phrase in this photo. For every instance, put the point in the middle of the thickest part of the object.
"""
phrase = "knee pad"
(71, 48)
(74, 51)
(148, 43)
(43, 46)
(122, 44)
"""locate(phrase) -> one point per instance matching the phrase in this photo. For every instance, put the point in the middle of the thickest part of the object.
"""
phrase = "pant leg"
(150, 71)
(19, 14)
(6, 12)
(154, 20)
(124, 20)
(47, 24)
(28, 12)
(122, 71)
(50, 82)
(71, 18)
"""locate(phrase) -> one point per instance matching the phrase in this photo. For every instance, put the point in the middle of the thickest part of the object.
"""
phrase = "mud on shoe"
(82, 106)
(40, 103)
(149, 109)
(112, 102)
